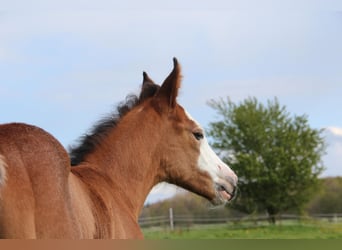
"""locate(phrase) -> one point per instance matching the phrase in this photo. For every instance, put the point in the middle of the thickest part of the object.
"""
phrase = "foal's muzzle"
(226, 186)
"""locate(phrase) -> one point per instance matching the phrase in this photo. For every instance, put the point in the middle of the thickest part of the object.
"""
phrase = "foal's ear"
(148, 89)
(147, 80)
(169, 90)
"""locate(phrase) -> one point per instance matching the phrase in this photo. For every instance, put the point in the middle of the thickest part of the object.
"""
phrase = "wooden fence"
(173, 220)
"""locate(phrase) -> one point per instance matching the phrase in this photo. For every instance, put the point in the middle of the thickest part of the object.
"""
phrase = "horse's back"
(32, 148)
(34, 169)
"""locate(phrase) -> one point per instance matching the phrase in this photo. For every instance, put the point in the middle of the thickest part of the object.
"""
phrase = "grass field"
(288, 230)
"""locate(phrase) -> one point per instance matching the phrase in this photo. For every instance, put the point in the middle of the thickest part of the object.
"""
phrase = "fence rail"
(189, 220)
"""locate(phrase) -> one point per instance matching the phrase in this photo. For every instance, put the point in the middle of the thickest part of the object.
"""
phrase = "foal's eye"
(198, 135)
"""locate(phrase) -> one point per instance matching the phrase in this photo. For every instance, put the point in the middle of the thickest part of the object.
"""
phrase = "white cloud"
(333, 135)
(336, 131)
(333, 159)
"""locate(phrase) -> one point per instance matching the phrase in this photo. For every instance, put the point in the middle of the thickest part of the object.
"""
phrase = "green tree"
(276, 156)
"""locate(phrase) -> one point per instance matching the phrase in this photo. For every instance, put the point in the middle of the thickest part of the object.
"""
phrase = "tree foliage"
(276, 155)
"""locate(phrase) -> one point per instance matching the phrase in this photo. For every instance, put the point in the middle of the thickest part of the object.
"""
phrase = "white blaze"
(209, 161)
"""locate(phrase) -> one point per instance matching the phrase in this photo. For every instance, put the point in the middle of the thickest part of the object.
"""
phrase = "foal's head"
(187, 160)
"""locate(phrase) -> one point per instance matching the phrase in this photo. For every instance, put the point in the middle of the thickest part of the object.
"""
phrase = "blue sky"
(63, 65)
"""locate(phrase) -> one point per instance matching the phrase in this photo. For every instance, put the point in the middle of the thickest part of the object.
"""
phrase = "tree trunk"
(272, 215)
(272, 219)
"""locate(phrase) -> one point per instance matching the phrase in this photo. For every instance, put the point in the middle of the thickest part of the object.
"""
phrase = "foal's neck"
(128, 156)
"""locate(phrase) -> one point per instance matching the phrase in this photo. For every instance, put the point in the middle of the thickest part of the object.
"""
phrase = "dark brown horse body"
(153, 140)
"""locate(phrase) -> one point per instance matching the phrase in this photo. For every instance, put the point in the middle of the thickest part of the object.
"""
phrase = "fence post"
(335, 218)
(171, 218)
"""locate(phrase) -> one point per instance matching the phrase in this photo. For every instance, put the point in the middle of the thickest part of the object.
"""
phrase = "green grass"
(288, 230)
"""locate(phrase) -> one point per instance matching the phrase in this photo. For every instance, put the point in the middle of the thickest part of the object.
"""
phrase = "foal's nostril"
(232, 180)
(228, 174)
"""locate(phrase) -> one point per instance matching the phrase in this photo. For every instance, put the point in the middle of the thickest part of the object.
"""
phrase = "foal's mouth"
(225, 193)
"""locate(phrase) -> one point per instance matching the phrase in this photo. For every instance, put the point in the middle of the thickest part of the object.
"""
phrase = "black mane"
(89, 141)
